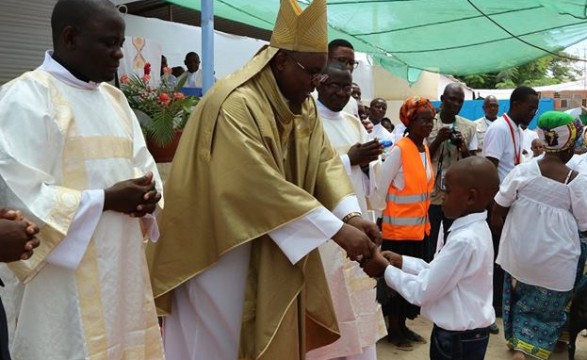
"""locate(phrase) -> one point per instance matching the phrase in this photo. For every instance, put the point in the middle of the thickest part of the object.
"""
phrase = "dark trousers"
(4, 353)
(458, 345)
(498, 273)
(436, 216)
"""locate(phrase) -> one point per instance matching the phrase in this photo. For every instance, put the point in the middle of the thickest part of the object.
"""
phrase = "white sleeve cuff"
(346, 206)
(346, 163)
(298, 238)
(70, 251)
(412, 265)
(150, 226)
(502, 200)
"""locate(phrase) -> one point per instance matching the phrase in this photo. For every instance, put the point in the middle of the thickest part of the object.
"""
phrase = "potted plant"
(162, 111)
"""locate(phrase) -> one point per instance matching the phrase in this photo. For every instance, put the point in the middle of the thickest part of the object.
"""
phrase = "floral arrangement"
(167, 108)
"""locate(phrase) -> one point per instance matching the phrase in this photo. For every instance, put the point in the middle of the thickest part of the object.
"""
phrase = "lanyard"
(517, 149)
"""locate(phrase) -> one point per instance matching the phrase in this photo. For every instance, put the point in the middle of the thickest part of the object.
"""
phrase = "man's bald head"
(489, 99)
(452, 87)
(335, 91)
(491, 107)
(87, 38)
(452, 100)
(76, 13)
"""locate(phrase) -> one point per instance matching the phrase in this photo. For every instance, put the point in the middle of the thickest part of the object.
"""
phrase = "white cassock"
(359, 315)
(351, 107)
(85, 293)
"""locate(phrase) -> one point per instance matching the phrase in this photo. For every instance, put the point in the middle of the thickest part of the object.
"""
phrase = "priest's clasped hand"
(135, 197)
(17, 236)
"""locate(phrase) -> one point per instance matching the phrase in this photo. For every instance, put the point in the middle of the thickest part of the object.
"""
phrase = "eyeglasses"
(347, 61)
(317, 78)
(336, 87)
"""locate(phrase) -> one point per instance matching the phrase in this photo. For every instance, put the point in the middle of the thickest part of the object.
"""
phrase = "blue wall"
(472, 109)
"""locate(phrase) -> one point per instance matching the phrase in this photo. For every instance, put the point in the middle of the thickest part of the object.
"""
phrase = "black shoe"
(493, 329)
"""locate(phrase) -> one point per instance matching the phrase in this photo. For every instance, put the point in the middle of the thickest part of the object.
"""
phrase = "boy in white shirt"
(455, 290)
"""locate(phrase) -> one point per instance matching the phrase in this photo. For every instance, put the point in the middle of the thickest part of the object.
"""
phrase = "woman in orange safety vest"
(407, 178)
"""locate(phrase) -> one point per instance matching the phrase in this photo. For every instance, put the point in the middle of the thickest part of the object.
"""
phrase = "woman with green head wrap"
(539, 248)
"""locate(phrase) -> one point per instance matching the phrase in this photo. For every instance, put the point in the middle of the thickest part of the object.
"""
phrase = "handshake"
(360, 239)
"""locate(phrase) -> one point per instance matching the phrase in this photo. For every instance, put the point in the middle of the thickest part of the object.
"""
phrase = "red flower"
(146, 78)
(164, 99)
(178, 95)
(147, 69)
(124, 79)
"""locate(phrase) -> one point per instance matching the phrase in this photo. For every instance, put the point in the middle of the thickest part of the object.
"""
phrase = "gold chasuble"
(246, 165)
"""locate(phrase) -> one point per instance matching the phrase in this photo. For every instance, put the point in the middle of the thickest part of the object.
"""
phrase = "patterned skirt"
(533, 317)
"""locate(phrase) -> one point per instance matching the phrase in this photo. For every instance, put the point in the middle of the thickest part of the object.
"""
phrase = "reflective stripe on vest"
(406, 213)
(406, 199)
(405, 221)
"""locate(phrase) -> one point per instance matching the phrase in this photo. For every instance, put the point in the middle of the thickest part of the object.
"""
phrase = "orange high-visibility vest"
(406, 214)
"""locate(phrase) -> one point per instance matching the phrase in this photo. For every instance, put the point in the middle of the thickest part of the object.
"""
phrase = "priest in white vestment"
(359, 315)
(73, 159)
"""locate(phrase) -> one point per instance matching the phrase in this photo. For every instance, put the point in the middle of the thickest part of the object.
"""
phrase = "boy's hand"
(376, 265)
(394, 259)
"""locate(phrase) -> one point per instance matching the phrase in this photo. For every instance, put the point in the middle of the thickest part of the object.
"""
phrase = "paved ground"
(497, 349)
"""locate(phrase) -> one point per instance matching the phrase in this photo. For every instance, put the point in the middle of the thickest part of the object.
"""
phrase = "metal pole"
(207, 44)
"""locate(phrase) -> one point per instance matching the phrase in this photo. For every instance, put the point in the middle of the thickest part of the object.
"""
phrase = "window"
(557, 95)
(564, 103)
(584, 102)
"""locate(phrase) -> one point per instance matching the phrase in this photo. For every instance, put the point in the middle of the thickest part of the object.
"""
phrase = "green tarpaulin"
(458, 37)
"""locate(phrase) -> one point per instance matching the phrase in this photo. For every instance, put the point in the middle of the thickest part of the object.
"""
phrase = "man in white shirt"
(377, 110)
(359, 316)
(74, 159)
(193, 74)
(503, 147)
(491, 109)
(503, 143)
(455, 289)
(452, 139)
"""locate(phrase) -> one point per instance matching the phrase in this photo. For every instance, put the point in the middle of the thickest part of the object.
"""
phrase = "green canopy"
(457, 37)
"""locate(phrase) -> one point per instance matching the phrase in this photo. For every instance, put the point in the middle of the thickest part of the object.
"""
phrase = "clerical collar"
(56, 69)
(327, 113)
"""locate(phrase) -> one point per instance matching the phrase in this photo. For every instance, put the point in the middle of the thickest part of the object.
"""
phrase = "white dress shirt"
(499, 144)
(455, 290)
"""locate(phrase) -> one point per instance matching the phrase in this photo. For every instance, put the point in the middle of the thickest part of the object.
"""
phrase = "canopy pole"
(207, 44)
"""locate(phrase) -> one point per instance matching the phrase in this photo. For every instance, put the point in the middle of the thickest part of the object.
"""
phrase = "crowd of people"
(296, 217)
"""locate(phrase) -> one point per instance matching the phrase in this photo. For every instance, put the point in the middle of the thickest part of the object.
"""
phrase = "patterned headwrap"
(559, 130)
(411, 106)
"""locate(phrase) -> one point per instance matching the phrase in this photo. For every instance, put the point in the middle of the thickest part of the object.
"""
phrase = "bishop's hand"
(356, 243)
